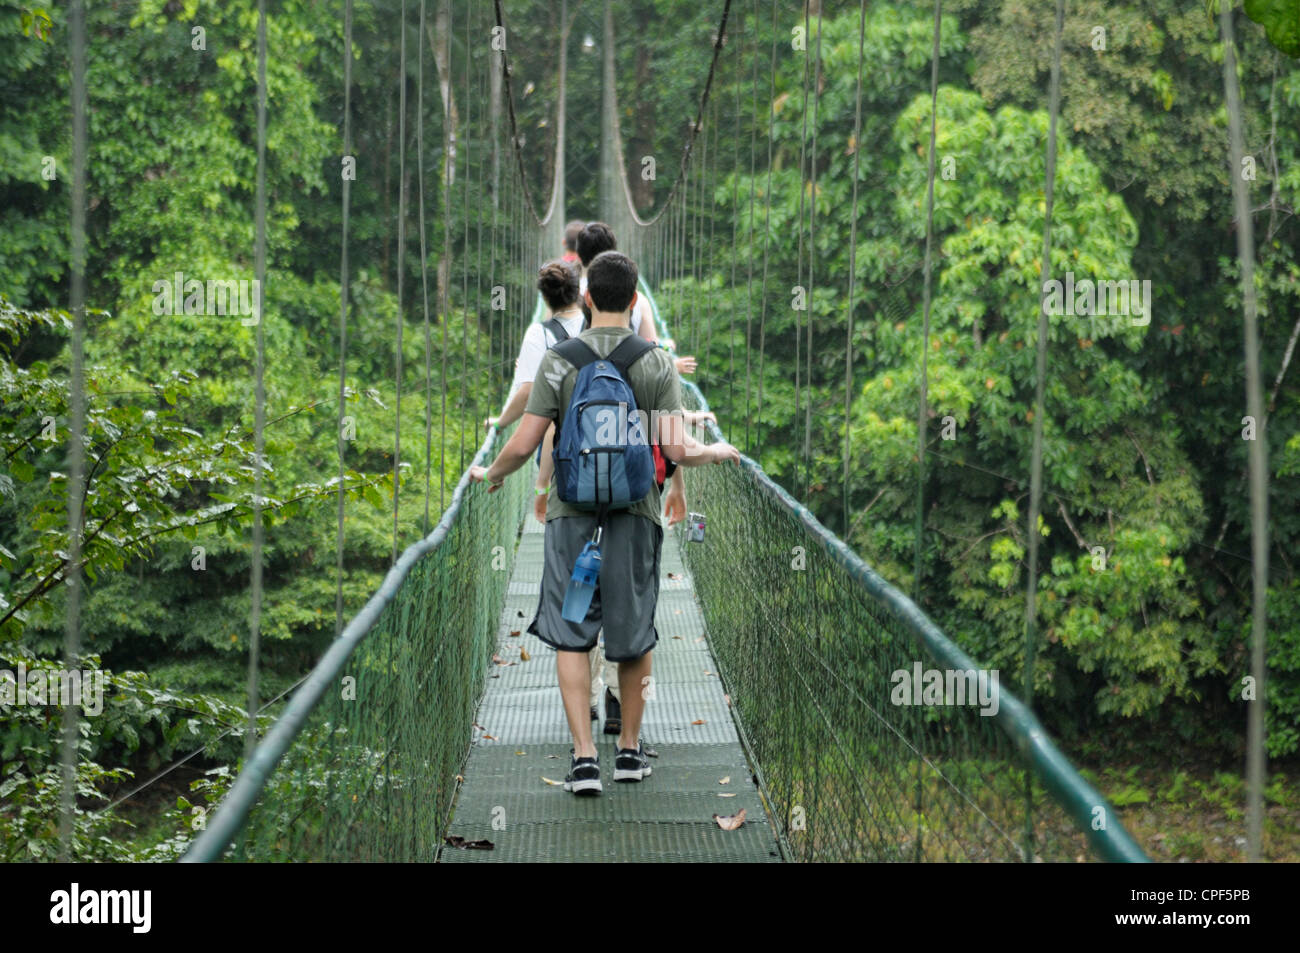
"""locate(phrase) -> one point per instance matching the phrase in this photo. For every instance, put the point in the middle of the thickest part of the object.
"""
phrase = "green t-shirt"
(655, 386)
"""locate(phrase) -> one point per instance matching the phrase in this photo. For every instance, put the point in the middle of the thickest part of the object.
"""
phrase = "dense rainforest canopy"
(1145, 560)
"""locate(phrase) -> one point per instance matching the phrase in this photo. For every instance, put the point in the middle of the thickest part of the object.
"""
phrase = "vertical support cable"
(401, 276)
(853, 267)
(1255, 753)
(919, 527)
(812, 259)
(749, 249)
(259, 412)
(1036, 467)
(424, 272)
(76, 425)
(444, 275)
(767, 236)
(798, 328)
(343, 303)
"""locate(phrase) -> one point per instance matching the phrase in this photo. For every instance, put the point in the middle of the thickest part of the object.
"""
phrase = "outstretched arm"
(520, 446)
(514, 408)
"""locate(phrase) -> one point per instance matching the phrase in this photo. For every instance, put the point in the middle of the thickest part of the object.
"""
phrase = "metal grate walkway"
(521, 737)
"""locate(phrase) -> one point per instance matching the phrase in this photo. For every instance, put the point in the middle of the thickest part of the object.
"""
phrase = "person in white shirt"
(558, 284)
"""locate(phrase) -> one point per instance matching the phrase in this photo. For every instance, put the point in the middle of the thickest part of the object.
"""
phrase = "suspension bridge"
(431, 728)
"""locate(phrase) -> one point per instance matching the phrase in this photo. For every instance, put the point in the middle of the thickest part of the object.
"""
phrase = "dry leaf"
(513, 634)
(678, 637)
(701, 638)
(521, 752)
(555, 756)
(549, 781)
(460, 777)
(727, 699)
(726, 780)
(489, 738)
(479, 727)
(673, 575)
(731, 822)
(498, 659)
(707, 672)
(698, 721)
(725, 794)
(454, 840)
(523, 655)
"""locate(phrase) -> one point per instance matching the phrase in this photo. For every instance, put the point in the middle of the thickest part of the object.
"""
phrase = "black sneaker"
(613, 714)
(584, 775)
(631, 764)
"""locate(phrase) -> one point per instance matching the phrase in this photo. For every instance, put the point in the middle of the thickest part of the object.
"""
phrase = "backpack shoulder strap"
(576, 352)
(556, 327)
(630, 350)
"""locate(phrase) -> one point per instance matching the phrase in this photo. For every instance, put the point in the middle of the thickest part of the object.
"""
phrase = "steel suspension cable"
(812, 260)
(1036, 466)
(924, 378)
(767, 233)
(798, 329)
(749, 242)
(343, 304)
(401, 276)
(853, 266)
(259, 399)
(424, 274)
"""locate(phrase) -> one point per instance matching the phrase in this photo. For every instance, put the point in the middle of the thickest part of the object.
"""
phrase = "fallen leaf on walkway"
(454, 840)
(726, 780)
(678, 612)
(523, 655)
(700, 639)
(513, 634)
(555, 756)
(673, 575)
(731, 822)
(677, 637)
(725, 794)
(460, 777)
(498, 659)
(497, 675)
(489, 738)
(698, 721)
(549, 781)
(727, 699)
(520, 613)
(479, 727)
(707, 672)
(521, 752)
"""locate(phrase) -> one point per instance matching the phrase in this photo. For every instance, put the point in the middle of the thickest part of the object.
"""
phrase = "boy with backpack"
(611, 394)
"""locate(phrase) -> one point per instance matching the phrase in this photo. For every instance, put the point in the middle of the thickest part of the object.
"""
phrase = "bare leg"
(609, 678)
(573, 669)
(598, 665)
(633, 680)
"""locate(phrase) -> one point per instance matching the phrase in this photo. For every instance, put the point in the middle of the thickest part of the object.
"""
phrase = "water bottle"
(582, 584)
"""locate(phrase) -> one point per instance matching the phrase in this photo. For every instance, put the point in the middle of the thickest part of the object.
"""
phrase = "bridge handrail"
(233, 811)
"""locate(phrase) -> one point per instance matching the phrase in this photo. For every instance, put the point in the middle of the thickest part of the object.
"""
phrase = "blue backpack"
(603, 457)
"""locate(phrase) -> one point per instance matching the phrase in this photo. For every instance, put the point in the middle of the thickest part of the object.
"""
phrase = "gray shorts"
(626, 593)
